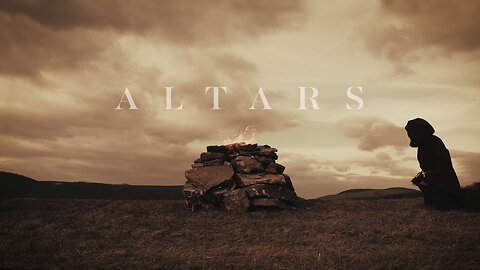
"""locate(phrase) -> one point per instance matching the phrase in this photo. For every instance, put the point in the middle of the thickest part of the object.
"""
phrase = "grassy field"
(330, 234)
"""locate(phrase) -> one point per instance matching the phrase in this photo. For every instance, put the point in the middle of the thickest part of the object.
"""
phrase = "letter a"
(266, 106)
(129, 100)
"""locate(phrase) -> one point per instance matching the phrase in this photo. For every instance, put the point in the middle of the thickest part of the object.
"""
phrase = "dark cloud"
(373, 132)
(446, 26)
(39, 35)
(27, 47)
(181, 21)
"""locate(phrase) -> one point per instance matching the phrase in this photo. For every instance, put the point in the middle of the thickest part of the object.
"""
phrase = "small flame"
(247, 136)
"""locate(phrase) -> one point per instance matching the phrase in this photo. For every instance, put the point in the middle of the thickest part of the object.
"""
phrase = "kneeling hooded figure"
(437, 180)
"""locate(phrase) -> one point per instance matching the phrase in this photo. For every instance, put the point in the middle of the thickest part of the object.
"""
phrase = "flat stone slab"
(208, 177)
(217, 148)
(263, 151)
(261, 178)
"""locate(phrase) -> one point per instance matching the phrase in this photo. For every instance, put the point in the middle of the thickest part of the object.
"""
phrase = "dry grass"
(343, 234)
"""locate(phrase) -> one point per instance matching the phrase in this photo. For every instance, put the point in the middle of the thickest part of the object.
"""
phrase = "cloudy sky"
(65, 65)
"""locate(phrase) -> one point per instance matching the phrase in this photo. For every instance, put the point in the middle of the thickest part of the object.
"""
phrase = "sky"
(66, 64)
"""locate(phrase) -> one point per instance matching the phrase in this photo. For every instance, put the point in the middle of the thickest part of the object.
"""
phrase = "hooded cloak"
(434, 159)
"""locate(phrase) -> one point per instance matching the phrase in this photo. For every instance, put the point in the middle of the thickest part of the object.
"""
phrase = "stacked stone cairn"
(238, 177)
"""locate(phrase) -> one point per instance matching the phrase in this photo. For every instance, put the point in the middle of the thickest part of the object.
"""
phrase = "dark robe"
(443, 189)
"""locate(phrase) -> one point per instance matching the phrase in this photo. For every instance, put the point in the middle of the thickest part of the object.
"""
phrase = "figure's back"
(434, 156)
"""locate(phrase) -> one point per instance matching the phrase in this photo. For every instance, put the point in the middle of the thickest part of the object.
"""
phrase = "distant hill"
(388, 193)
(19, 186)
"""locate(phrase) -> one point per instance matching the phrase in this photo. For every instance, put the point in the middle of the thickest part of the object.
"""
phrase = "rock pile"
(238, 177)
